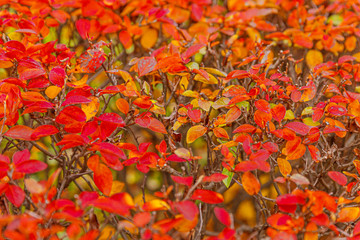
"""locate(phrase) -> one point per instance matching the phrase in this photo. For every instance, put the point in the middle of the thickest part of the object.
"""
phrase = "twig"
(194, 187)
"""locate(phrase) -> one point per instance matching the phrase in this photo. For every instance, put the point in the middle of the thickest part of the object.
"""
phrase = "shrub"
(179, 119)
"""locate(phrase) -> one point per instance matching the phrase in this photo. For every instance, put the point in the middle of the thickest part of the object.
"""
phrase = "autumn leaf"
(338, 177)
(284, 166)
(57, 76)
(20, 132)
(313, 58)
(250, 183)
(122, 105)
(298, 127)
(103, 178)
(15, 195)
(223, 216)
(207, 196)
(195, 132)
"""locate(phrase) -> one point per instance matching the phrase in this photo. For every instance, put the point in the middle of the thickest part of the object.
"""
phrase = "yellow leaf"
(149, 38)
(90, 109)
(348, 214)
(214, 71)
(284, 166)
(117, 187)
(212, 79)
(357, 56)
(195, 132)
(122, 105)
(250, 183)
(107, 233)
(186, 225)
(80, 82)
(52, 91)
(124, 74)
(155, 205)
(313, 58)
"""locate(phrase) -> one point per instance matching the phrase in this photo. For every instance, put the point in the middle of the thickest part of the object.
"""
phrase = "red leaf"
(112, 118)
(111, 206)
(43, 131)
(57, 76)
(15, 46)
(345, 58)
(246, 166)
(298, 127)
(157, 126)
(191, 51)
(183, 180)
(196, 12)
(278, 112)
(30, 166)
(29, 69)
(338, 177)
(21, 156)
(15, 195)
(223, 216)
(321, 220)
(262, 105)
(141, 219)
(288, 202)
(20, 132)
(337, 110)
(91, 60)
(261, 155)
(146, 65)
(75, 100)
(83, 27)
(72, 140)
(71, 114)
(187, 208)
(216, 177)
(207, 196)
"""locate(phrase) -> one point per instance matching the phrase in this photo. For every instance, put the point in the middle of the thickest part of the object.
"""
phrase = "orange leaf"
(103, 178)
(278, 112)
(348, 214)
(250, 183)
(157, 126)
(155, 205)
(141, 219)
(284, 166)
(233, 114)
(311, 232)
(149, 38)
(262, 105)
(122, 105)
(221, 133)
(195, 132)
(262, 118)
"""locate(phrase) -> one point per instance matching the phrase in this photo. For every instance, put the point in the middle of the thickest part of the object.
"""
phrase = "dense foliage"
(181, 119)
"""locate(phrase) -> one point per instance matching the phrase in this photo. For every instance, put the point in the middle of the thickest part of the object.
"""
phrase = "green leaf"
(227, 181)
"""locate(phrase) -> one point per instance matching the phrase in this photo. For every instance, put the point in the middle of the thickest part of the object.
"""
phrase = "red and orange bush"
(180, 119)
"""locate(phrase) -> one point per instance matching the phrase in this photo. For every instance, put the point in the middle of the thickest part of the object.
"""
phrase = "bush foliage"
(183, 119)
